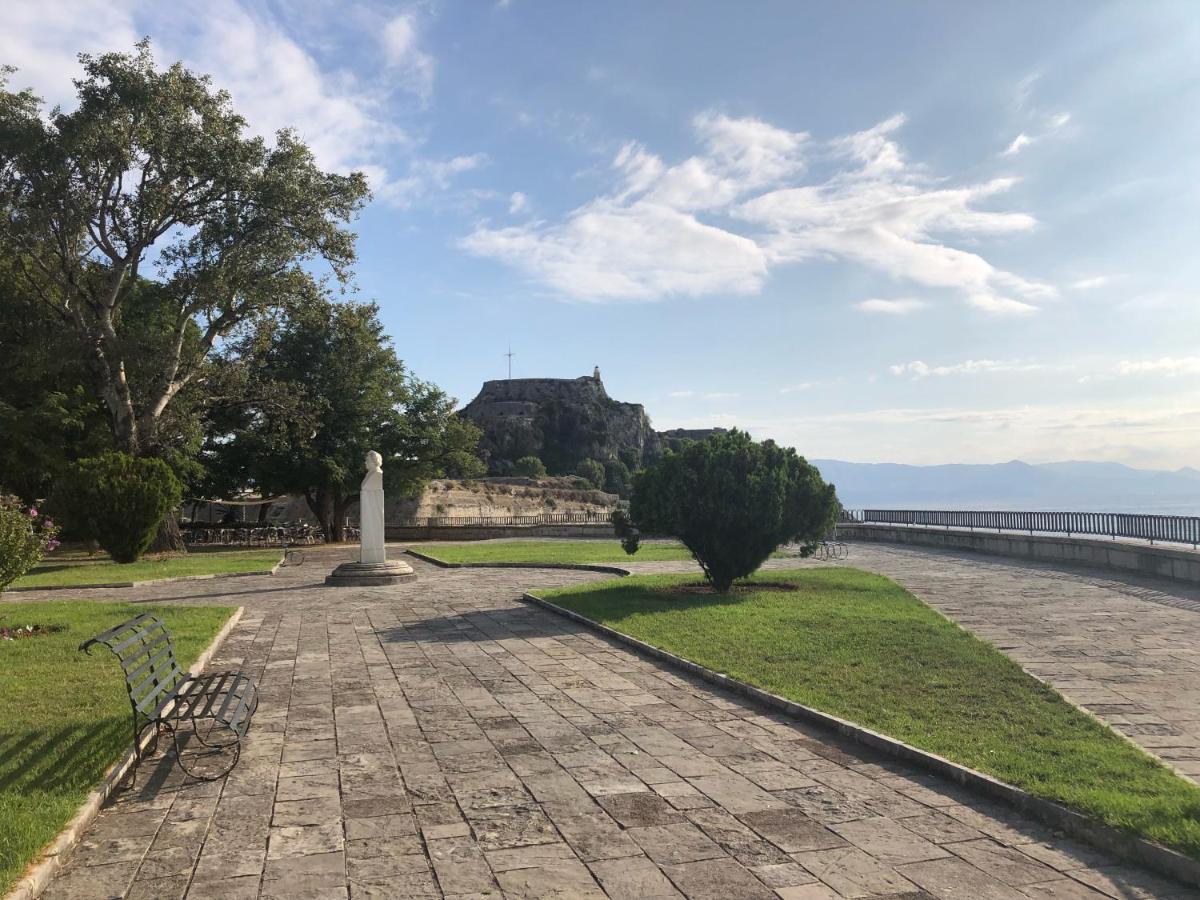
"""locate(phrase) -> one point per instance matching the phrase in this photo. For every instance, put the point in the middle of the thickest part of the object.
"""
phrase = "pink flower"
(33, 512)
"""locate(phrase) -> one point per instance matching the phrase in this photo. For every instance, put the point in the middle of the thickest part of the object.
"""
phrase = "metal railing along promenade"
(1134, 526)
(566, 518)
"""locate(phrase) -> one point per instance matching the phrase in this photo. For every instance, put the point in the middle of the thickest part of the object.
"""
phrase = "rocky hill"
(562, 421)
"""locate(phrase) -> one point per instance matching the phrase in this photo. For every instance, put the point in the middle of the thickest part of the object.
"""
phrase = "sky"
(884, 232)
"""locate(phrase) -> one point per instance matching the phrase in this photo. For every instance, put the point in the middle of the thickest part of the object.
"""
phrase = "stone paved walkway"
(442, 738)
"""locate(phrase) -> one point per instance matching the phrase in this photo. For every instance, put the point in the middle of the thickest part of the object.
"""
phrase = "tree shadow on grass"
(70, 757)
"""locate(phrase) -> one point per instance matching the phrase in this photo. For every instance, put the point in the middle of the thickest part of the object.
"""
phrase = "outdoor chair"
(215, 708)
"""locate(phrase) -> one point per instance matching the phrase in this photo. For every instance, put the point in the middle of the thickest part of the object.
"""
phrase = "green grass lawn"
(75, 570)
(64, 715)
(522, 551)
(861, 647)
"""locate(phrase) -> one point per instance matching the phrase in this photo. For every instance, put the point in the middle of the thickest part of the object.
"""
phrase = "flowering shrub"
(25, 537)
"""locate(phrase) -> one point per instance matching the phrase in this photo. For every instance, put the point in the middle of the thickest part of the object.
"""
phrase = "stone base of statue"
(360, 574)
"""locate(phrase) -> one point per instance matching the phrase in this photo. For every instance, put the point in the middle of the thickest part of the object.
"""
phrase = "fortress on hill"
(564, 421)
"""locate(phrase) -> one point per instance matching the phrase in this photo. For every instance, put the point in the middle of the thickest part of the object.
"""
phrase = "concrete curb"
(40, 872)
(1155, 857)
(128, 584)
(579, 567)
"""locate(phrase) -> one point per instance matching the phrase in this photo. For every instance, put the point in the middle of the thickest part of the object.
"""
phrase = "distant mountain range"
(1082, 486)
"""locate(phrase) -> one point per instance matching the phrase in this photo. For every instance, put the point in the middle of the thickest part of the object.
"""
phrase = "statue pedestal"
(359, 574)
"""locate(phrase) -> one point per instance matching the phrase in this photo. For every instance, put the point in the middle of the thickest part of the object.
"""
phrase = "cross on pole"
(509, 354)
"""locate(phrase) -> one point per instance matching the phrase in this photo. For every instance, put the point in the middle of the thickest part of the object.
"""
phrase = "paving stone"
(592, 834)
(511, 826)
(565, 878)
(853, 873)
(791, 830)
(1004, 863)
(679, 843)
(640, 808)
(889, 841)
(717, 879)
(954, 879)
(634, 879)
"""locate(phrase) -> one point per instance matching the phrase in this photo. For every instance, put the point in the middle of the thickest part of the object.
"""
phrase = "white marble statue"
(370, 512)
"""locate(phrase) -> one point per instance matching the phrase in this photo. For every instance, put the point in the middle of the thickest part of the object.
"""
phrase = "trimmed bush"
(732, 502)
(593, 471)
(118, 500)
(26, 535)
(529, 467)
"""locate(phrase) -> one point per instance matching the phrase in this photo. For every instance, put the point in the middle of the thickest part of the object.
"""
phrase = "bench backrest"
(147, 655)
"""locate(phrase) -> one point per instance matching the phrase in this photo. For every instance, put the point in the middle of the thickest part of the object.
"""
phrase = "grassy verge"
(64, 715)
(861, 647)
(523, 551)
(66, 572)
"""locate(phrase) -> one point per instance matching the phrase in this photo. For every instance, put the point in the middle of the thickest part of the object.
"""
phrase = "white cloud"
(1019, 143)
(401, 45)
(901, 306)
(798, 388)
(517, 202)
(1052, 123)
(275, 82)
(720, 220)
(918, 369)
(1165, 365)
(1087, 284)
(423, 177)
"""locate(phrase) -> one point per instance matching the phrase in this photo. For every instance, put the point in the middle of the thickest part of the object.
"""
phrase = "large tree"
(337, 390)
(154, 173)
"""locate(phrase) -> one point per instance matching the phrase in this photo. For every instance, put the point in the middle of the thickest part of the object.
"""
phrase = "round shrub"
(593, 471)
(26, 535)
(529, 467)
(731, 501)
(118, 500)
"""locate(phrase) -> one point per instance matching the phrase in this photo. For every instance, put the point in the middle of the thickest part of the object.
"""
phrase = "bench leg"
(187, 761)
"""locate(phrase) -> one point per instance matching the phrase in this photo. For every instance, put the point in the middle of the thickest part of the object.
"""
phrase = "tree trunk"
(322, 507)
(262, 513)
(339, 517)
(169, 538)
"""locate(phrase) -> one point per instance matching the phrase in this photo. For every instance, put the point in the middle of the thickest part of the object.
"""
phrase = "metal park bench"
(162, 695)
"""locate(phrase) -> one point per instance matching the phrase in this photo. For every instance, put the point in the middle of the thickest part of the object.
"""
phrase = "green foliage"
(529, 467)
(593, 471)
(48, 417)
(118, 500)
(26, 535)
(153, 166)
(617, 478)
(732, 502)
(338, 391)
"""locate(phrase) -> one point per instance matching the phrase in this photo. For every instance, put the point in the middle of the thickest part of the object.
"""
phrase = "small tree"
(529, 467)
(593, 471)
(25, 537)
(118, 500)
(732, 502)
(617, 478)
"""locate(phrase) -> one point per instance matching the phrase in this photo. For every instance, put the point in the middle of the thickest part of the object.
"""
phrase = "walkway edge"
(1155, 857)
(128, 584)
(580, 567)
(39, 874)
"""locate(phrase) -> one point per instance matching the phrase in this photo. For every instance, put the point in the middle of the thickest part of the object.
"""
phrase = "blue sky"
(908, 232)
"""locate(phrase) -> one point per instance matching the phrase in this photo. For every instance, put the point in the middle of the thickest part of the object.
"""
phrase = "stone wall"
(490, 532)
(500, 497)
(1176, 563)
